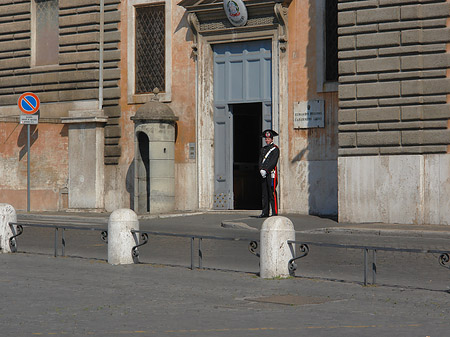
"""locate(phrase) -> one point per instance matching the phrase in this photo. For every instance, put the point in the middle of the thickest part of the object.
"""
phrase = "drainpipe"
(197, 133)
(101, 46)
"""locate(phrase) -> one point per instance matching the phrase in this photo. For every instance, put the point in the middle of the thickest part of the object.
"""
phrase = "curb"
(103, 216)
(381, 232)
(237, 225)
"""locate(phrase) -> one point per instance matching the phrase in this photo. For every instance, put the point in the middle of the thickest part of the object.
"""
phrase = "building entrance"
(246, 146)
(242, 109)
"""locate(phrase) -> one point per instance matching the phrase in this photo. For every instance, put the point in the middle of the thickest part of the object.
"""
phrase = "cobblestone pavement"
(45, 296)
(82, 295)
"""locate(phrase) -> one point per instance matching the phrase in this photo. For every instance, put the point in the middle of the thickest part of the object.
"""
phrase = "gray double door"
(242, 109)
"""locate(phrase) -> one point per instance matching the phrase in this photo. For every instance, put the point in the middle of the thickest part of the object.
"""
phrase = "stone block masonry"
(76, 75)
(394, 73)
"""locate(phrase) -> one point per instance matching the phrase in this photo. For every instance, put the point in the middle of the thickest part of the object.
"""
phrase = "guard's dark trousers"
(269, 195)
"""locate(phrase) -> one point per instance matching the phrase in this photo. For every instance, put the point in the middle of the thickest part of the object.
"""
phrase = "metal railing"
(443, 258)
(17, 230)
(144, 235)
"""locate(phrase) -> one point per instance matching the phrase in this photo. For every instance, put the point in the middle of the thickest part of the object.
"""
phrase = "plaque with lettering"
(309, 114)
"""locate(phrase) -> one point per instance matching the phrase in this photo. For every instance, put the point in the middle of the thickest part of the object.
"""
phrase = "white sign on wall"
(309, 114)
(29, 119)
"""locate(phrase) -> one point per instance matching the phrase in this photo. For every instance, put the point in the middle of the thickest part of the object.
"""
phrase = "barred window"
(150, 49)
(46, 32)
(331, 39)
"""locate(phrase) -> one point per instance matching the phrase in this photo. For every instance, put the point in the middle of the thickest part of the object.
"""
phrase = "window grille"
(331, 23)
(47, 32)
(150, 49)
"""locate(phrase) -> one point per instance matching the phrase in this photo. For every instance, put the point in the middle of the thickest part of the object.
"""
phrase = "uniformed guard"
(268, 160)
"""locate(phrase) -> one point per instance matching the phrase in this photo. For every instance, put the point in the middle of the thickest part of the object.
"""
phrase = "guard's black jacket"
(270, 162)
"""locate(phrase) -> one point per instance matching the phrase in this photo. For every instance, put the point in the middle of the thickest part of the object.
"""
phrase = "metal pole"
(101, 54)
(365, 266)
(63, 243)
(56, 242)
(200, 253)
(28, 167)
(192, 253)
(374, 267)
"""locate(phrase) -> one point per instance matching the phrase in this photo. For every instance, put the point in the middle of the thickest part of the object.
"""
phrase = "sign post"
(29, 106)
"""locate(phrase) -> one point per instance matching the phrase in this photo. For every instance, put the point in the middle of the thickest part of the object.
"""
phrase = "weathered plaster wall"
(310, 166)
(48, 166)
(119, 179)
(183, 105)
(309, 157)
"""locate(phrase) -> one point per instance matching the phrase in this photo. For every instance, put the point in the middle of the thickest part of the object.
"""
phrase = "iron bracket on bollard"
(444, 258)
(291, 264)
(18, 230)
(135, 249)
(104, 236)
(252, 246)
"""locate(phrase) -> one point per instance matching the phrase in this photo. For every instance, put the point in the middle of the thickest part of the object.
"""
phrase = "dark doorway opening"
(247, 122)
(143, 175)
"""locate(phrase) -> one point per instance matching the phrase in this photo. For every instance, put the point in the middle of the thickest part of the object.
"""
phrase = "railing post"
(55, 254)
(120, 239)
(192, 253)
(275, 254)
(7, 215)
(63, 243)
(365, 266)
(374, 266)
(200, 254)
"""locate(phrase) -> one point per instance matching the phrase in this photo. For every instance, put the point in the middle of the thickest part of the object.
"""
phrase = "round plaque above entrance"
(236, 12)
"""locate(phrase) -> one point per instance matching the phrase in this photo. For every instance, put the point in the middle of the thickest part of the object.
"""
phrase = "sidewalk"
(246, 221)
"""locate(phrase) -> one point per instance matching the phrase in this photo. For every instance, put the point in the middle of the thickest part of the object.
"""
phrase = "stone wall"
(394, 81)
(48, 166)
(76, 76)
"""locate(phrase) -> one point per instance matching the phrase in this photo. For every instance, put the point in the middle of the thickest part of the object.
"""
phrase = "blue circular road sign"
(28, 103)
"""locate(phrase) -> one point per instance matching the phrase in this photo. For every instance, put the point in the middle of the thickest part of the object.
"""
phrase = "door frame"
(205, 102)
(245, 55)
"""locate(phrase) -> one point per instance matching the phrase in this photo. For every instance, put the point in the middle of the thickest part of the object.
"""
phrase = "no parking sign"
(28, 104)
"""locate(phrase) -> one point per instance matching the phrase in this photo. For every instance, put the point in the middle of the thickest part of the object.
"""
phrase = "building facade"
(66, 52)
(159, 105)
(394, 111)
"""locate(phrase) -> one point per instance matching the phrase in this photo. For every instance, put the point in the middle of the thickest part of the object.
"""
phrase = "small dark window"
(331, 39)
(150, 49)
(46, 32)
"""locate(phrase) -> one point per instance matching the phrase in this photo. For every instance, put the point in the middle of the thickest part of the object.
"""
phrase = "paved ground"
(81, 295)
(45, 296)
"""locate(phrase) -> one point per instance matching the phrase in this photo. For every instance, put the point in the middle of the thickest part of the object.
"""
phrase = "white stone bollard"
(275, 252)
(120, 239)
(7, 215)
